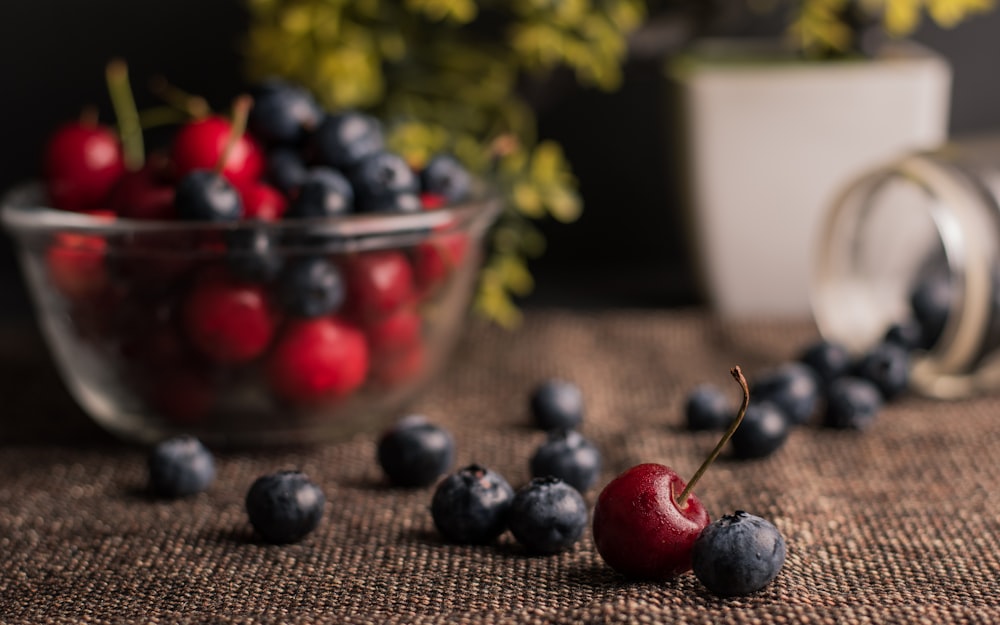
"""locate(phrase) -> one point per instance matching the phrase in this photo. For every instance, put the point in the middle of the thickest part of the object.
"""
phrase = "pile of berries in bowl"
(274, 276)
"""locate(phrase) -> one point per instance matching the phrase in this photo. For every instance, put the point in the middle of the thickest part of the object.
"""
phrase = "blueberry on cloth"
(738, 554)
(852, 404)
(569, 456)
(285, 506)
(547, 515)
(793, 387)
(180, 466)
(556, 404)
(471, 505)
(707, 408)
(763, 431)
(415, 452)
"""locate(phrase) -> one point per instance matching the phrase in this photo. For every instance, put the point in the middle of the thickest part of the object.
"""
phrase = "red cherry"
(76, 265)
(200, 144)
(647, 519)
(434, 260)
(400, 365)
(431, 201)
(226, 320)
(378, 283)
(317, 359)
(639, 529)
(262, 201)
(81, 164)
(144, 194)
(396, 332)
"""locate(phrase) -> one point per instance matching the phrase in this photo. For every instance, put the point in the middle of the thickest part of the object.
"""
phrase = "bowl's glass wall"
(122, 349)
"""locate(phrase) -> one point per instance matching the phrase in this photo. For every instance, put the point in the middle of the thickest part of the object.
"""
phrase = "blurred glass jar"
(922, 231)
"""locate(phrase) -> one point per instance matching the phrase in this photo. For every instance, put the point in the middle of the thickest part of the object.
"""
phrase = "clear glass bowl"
(156, 333)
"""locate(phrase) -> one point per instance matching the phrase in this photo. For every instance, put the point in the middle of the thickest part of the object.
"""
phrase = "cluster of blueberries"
(826, 383)
(473, 505)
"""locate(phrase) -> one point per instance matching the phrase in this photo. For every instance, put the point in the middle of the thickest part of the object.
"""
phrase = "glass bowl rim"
(23, 210)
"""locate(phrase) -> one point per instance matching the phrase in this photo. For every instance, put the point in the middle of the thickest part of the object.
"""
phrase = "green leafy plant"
(447, 75)
(836, 28)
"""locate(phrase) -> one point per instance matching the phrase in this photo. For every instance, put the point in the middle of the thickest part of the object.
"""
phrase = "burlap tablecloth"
(895, 525)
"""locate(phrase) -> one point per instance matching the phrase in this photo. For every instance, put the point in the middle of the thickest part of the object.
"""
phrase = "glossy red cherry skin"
(317, 359)
(76, 265)
(199, 145)
(434, 260)
(146, 193)
(261, 201)
(378, 283)
(81, 164)
(227, 320)
(640, 531)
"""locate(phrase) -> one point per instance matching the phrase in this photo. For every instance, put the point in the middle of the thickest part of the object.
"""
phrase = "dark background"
(626, 250)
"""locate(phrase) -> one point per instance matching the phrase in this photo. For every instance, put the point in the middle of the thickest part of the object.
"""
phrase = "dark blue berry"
(707, 408)
(204, 195)
(547, 516)
(286, 170)
(251, 253)
(384, 182)
(764, 430)
(829, 360)
(908, 334)
(472, 505)
(415, 452)
(285, 506)
(342, 140)
(311, 286)
(887, 365)
(323, 193)
(282, 113)
(738, 554)
(568, 456)
(556, 404)
(852, 404)
(179, 467)
(930, 301)
(792, 387)
(444, 175)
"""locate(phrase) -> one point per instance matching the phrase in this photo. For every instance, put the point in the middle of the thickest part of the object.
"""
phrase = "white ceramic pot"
(767, 144)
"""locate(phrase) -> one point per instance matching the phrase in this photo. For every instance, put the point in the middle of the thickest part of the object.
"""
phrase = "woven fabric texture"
(898, 524)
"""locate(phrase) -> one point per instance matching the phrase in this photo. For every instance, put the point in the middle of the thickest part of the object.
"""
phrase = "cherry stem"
(126, 113)
(241, 111)
(192, 105)
(737, 374)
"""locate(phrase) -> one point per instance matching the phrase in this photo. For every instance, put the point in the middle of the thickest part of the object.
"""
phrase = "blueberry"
(342, 140)
(852, 404)
(930, 301)
(887, 365)
(384, 182)
(792, 387)
(556, 404)
(738, 554)
(286, 170)
(415, 452)
(179, 467)
(707, 408)
(251, 253)
(324, 192)
(828, 360)
(547, 516)
(204, 195)
(282, 113)
(285, 506)
(763, 431)
(471, 505)
(311, 286)
(907, 333)
(444, 175)
(568, 456)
